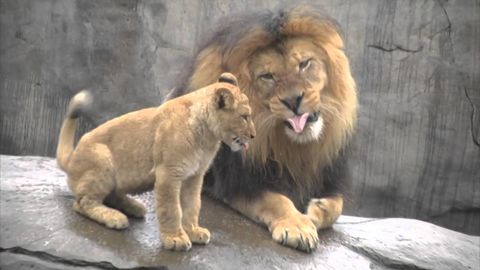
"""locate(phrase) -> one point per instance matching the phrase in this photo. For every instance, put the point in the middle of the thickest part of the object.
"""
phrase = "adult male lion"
(291, 65)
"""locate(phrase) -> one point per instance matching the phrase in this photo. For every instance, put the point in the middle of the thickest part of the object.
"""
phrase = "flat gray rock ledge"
(39, 230)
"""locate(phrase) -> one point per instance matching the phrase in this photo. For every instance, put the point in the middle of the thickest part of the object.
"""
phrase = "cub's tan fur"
(168, 148)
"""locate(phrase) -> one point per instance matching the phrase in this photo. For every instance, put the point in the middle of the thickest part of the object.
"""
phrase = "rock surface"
(39, 230)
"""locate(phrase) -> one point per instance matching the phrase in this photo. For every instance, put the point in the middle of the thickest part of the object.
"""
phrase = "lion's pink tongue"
(298, 122)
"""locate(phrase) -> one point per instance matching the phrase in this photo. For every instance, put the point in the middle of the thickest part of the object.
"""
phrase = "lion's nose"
(293, 103)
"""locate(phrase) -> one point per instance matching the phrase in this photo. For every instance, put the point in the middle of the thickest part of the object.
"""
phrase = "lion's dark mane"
(230, 176)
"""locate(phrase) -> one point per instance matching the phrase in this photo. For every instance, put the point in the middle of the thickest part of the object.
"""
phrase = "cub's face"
(233, 114)
(288, 80)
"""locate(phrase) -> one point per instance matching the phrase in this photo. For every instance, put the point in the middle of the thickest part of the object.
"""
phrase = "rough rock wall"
(416, 63)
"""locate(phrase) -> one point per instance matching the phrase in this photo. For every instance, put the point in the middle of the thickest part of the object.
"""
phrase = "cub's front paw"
(199, 235)
(296, 231)
(177, 242)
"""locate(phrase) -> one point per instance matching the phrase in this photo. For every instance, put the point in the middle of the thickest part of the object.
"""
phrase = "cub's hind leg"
(127, 205)
(191, 204)
(92, 207)
(91, 180)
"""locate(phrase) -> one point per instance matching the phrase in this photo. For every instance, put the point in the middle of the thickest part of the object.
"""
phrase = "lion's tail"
(65, 146)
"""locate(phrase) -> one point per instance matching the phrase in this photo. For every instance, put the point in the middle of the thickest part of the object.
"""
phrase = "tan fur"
(168, 148)
(327, 87)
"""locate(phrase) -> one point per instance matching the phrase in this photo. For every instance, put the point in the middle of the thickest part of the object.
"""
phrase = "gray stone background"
(416, 64)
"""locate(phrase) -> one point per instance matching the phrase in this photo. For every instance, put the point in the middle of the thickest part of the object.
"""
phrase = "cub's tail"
(79, 103)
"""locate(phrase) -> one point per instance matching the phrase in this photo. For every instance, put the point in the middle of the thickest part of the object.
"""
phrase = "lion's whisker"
(333, 111)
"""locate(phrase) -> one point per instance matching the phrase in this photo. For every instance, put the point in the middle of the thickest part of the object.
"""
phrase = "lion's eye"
(267, 77)
(245, 117)
(304, 65)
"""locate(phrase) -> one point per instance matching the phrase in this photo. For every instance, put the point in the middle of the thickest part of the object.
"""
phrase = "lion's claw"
(297, 232)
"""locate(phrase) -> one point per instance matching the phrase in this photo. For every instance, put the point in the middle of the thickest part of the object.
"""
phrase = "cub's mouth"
(239, 144)
(297, 122)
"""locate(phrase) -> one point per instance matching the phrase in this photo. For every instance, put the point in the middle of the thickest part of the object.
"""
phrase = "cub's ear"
(228, 78)
(224, 98)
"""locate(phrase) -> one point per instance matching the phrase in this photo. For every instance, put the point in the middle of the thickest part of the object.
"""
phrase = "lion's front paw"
(177, 242)
(324, 212)
(199, 235)
(296, 231)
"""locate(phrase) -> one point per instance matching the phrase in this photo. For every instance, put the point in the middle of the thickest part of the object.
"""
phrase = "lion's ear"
(228, 78)
(224, 98)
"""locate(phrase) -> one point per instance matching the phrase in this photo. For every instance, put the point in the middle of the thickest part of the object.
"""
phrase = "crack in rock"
(449, 26)
(395, 48)
(72, 262)
(475, 137)
(463, 76)
(359, 222)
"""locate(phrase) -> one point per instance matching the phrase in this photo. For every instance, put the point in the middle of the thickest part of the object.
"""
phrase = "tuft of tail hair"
(80, 103)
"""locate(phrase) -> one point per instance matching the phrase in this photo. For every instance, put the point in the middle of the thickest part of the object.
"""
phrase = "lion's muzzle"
(297, 122)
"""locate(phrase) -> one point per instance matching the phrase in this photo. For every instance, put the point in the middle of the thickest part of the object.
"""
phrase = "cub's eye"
(304, 65)
(267, 77)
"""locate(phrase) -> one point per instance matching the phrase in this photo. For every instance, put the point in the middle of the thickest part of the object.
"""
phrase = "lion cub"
(168, 148)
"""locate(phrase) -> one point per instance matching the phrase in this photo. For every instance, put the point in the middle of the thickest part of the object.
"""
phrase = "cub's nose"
(253, 132)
